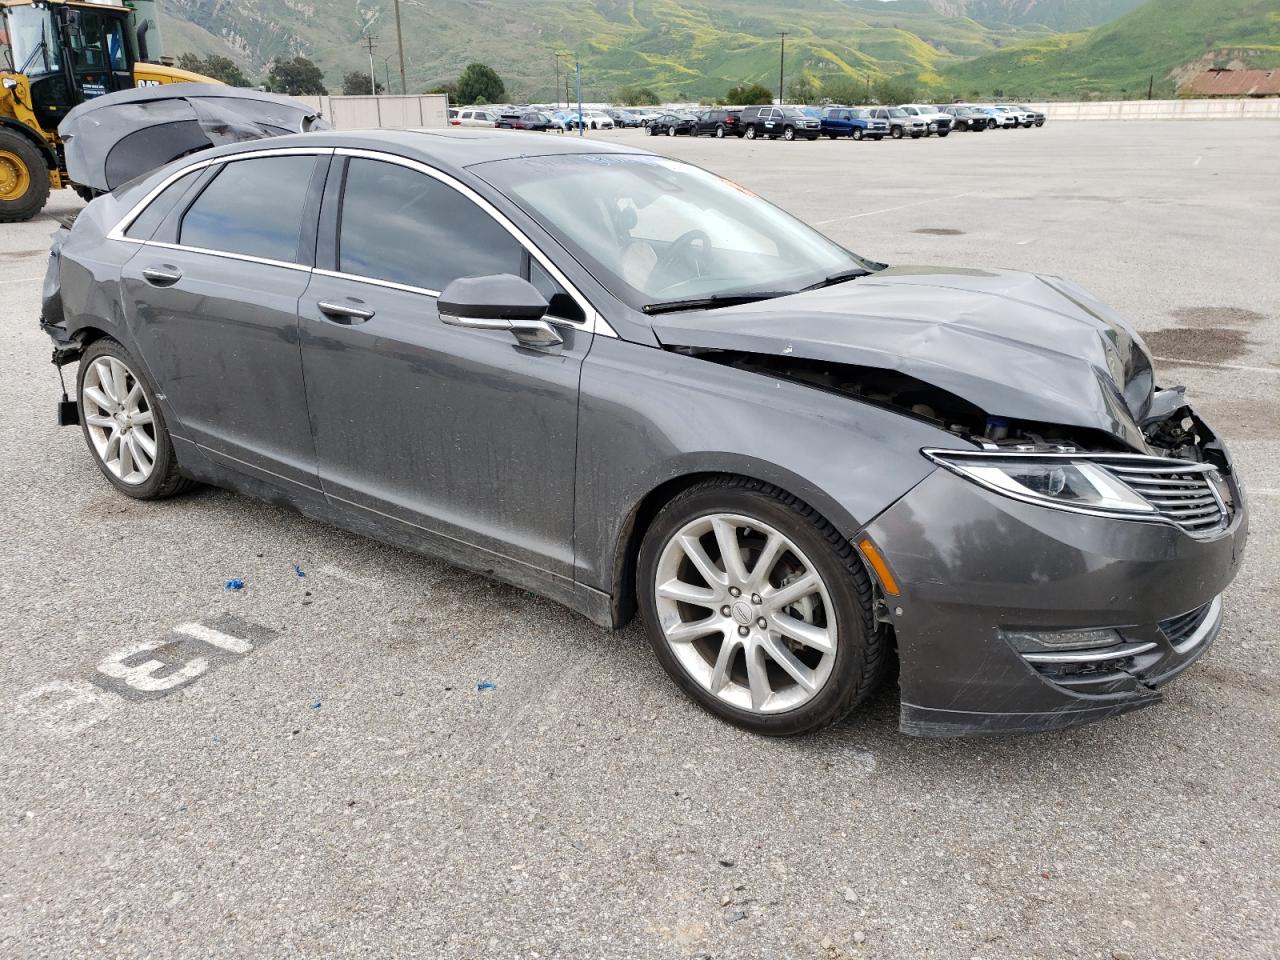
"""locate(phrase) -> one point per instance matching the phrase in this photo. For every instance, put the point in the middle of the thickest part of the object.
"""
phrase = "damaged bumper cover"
(1016, 618)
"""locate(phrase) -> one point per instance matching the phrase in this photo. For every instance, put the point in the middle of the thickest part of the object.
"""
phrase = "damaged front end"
(1069, 555)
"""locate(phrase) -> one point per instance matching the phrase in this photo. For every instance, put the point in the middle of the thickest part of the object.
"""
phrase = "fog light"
(1035, 641)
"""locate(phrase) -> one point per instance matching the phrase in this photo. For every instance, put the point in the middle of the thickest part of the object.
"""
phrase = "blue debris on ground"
(486, 685)
(299, 571)
(235, 584)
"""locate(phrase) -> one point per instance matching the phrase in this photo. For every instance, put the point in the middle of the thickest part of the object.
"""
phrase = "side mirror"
(499, 302)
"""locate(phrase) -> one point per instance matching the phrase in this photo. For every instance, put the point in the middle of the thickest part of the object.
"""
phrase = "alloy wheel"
(119, 420)
(745, 613)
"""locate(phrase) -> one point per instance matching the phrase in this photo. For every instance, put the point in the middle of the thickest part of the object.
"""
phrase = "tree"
(748, 94)
(356, 83)
(215, 67)
(296, 77)
(802, 90)
(450, 90)
(848, 90)
(479, 83)
(635, 97)
(898, 90)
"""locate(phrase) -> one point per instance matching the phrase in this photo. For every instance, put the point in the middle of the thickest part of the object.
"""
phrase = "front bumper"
(974, 566)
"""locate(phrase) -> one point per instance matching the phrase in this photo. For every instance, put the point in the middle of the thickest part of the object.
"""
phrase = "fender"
(32, 134)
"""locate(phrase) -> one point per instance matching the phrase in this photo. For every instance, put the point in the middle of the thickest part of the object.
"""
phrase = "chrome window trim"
(594, 322)
(247, 258)
(123, 224)
(389, 284)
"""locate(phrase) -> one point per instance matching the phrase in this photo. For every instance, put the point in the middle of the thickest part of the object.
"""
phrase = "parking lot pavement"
(327, 779)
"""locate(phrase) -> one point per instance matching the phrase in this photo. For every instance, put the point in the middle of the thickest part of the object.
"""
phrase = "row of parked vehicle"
(912, 120)
(857, 123)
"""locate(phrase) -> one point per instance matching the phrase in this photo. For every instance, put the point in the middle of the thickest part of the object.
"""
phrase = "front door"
(460, 435)
(216, 315)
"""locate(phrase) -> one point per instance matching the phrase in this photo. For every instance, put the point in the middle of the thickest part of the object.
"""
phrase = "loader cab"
(67, 53)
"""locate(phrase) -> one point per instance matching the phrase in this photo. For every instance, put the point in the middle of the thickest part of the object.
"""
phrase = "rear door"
(457, 435)
(213, 296)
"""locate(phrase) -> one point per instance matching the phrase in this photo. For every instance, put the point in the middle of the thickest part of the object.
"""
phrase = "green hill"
(1055, 14)
(1167, 39)
(683, 49)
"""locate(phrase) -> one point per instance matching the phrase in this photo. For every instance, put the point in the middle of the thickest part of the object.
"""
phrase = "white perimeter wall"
(1164, 109)
(396, 113)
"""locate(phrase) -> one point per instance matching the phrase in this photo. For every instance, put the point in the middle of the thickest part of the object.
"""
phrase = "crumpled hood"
(1017, 345)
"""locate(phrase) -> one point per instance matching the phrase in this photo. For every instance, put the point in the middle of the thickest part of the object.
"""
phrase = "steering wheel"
(681, 246)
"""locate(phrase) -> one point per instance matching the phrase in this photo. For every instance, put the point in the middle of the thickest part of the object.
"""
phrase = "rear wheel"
(719, 131)
(943, 133)
(758, 608)
(24, 178)
(671, 131)
(124, 429)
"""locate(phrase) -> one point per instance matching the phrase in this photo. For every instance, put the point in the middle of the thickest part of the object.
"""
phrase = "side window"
(252, 207)
(562, 305)
(403, 226)
(144, 225)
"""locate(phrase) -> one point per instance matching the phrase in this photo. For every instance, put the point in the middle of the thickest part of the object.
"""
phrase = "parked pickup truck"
(935, 120)
(853, 122)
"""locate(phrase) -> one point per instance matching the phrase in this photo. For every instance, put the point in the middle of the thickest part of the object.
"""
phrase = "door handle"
(344, 312)
(163, 276)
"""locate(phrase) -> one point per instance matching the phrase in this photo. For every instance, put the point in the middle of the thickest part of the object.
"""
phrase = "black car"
(789, 123)
(720, 122)
(531, 120)
(675, 124)
(966, 118)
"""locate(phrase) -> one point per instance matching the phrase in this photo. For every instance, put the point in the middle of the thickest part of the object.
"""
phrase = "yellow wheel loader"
(55, 54)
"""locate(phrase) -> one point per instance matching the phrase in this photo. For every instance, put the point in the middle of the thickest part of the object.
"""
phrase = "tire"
(164, 480)
(719, 131)
(652, 131)
(896, 132)
(788, 133)
(1040, 122)
(843, 677)
(857, 133)
(943, 133)
(24, 178)
(750, 133)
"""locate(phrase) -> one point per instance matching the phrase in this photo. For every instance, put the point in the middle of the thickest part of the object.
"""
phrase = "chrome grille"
(1182, 493)
(1178, 629)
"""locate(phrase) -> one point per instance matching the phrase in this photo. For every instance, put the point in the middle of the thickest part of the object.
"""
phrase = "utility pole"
(386, 69)
(577, 69)
(404, 89)
(558, 54)
(370, 41)
(1151, 85)
(782, 56)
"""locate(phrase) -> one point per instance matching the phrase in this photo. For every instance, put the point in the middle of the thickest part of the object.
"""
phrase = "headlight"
(1061, 482)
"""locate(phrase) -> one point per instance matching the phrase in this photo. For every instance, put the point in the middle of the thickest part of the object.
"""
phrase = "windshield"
(895, 112)
(33, 47)
(650, 229)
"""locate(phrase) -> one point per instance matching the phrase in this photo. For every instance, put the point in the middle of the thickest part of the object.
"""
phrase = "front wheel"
(896, 133)
(24, 178)
(857, 133)
(758, 608)
(789, 133)
(124, 429)
(943, 133)
(751, 133)
(653, 131)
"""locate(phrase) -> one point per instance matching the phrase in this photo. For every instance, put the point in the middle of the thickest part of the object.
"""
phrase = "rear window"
(145, 223)
(252, 207)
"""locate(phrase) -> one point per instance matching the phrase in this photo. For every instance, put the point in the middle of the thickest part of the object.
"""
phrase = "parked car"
(597, 120)
(793, 461)
(936, 122)
(646, 115)
(623, 118)
(789, 123)
(853, 122)
(1000, 117)
(720, 122)
(1032, 118)
(674, 125)
(966, 118)
(1023, 116)
(474, 117)
(901, 123)
(532, 120)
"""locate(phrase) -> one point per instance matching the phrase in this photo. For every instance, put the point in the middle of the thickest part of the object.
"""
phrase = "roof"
(450, 147)
(1235, 83)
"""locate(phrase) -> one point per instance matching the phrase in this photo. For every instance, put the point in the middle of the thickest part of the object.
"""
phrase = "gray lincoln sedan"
(623, 382)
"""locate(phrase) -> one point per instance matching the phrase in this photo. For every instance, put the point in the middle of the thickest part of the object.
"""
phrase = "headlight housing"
(1060, 481)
